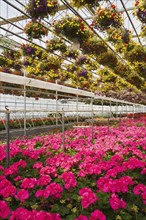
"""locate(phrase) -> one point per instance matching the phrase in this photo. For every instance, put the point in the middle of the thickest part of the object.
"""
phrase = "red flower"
(113, 6)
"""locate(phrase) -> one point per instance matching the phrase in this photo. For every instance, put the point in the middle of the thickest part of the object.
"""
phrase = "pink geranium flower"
(22, 195)
(97, 215)
(116, 202)
(88, 197)
(28, 183)
(4, 209)
(81, 217)
(44, 180)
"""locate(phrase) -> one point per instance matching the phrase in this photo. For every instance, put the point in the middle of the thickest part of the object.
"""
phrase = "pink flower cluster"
(97, 215)
(88, 197)
(24, 214)
(22, 195)
(13, 169)
(6, 188)
(115, 186)
(69, 179)
(116, 202)
(111, 168)
(4, 210)
(140, 189)
(28, 183)
(54, 190)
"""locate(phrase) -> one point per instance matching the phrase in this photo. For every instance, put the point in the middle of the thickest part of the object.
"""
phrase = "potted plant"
(35, 30)
(143, 31)
(4, 61)
(73, 28)
(107, 59)
(82, 3)
(27, 49)
(94, 46)
(71, 53)
(140, 10)
(11, 54)
(137, 53)
(52, 62)
(55, 44)
(41, 8)
(117, 35)
(107, 17)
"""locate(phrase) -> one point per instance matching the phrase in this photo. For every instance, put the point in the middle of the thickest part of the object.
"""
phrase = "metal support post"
(120, 120)
(56, 106)
(133, 112)
(126, 116)
(110, 108)
(63, 133)
(143, 116)
(117, 109)
(102, 107)
(77, 107)
(92, 120)
(108, 122)
(7, 136)
(24, 107)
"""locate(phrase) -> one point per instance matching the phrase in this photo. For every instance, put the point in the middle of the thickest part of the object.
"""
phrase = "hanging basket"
(86, 3)
(140, 10)
(71, 53)
(72, 28)
(107, 17)
(118, 35)
(56, 44)
(35, 30)
(143, 31)
(137, 53)
(94, 46)
(41, 8)
(27, 49)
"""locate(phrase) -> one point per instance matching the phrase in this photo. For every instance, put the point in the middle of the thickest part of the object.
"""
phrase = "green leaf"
(55, 208)
(71, 217)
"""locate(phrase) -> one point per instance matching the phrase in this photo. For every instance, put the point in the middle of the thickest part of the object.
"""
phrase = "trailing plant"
(140, 10)
(35, 30)
(117, 35)
(56, 44)
(71, 53)
(39, 9)
(107, 17)
(143, 31)
(73, 28)
(86, 3)
(94, 46)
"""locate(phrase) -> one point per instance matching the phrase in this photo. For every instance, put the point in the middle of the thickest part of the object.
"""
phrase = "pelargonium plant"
(73, 28)
(56, 44)
(71, 53)
(107, 17)
(35, 30)
(97, 177)
(82, 3)
(94, 46)
(117, 35)
(143, 31)
(140, 10)
(39, 9)
(27, 49)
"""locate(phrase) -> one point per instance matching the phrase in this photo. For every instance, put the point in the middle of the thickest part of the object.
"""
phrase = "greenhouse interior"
(73, 109)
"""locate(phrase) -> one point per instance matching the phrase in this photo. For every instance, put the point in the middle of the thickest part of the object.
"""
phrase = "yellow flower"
(74, 210)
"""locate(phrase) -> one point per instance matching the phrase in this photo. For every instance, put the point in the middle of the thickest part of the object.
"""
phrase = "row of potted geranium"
(34, 122)
(102, 179)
